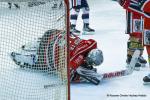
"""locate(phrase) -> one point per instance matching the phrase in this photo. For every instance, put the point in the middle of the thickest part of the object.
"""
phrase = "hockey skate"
(89, 75)
(87, 30)
(142, 61)
(146, 79)
(74, 30)
(16, 5)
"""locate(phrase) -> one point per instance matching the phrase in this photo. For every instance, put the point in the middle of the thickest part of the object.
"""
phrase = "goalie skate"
(74, 30)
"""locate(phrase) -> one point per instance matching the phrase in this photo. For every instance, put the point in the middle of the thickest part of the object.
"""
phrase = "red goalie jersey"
(79, 48)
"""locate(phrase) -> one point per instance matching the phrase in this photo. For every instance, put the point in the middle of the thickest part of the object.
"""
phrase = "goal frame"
(68, 53)
(67, 33)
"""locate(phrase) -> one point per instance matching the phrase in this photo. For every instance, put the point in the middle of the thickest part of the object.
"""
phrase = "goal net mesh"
(33, 50)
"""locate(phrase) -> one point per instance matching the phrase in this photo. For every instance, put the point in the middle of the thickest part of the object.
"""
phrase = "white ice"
(18, 27)
(108, 19)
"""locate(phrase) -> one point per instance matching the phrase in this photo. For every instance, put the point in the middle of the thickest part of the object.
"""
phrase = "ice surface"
(18, 27)
(109, 21)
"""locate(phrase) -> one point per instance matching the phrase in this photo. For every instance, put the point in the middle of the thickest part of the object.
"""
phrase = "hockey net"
(23, 24)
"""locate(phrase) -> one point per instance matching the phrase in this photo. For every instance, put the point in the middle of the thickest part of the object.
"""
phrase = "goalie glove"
(89, 75)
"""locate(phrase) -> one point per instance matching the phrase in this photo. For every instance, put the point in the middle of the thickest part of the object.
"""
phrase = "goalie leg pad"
(24, 61)
(43, 54)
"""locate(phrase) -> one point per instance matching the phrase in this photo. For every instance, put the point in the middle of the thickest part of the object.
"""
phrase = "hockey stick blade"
(134, 60)
(125, 72)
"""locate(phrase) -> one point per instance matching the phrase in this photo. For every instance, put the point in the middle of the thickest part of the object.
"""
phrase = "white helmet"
(94, 57)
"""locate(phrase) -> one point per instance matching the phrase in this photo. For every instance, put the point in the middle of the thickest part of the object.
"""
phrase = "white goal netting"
(33, 50)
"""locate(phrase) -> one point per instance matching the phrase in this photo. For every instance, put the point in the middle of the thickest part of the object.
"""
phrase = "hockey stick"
(125, 72)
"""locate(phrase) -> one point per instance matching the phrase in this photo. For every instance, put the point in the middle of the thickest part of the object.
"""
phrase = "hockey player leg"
(134, 44)
(147, 36)
(73, 20)
(85, 17)
(146, 39)
(134, 29)
(86, 29)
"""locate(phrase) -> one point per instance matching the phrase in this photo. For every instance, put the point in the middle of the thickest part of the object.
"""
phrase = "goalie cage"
(48, 20)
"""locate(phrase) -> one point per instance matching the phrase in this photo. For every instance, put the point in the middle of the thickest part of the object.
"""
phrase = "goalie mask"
(94, 57)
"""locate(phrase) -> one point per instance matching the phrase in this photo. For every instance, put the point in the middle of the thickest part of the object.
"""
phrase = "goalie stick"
(125, 72)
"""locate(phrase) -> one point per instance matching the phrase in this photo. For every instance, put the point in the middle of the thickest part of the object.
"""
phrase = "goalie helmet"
(94, 57)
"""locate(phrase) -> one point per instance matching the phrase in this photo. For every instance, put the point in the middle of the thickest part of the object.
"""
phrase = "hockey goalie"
(84, 54)
(40, 55)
